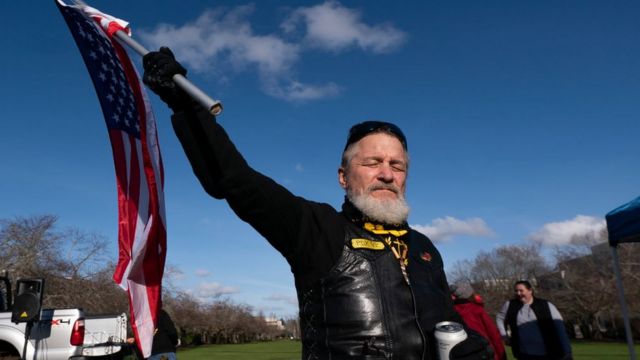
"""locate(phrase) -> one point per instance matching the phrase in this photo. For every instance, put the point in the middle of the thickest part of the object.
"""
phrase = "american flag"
(138, 164)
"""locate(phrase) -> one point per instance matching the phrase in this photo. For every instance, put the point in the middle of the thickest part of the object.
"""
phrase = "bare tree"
(33, 246)
(72, 262)
(493, 273)
(583, 286)
(188, 315)
(28, 246)
(78, 273)
(292, 327)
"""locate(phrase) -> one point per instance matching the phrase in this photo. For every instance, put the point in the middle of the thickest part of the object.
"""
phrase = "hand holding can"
(448, 334)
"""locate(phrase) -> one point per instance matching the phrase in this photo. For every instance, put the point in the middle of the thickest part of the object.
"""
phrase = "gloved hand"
(474, 347)
(159, 68)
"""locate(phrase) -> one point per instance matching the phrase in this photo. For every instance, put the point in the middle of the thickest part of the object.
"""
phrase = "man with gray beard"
(369, 286)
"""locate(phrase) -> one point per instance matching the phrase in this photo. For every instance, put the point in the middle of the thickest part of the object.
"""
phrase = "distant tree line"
(78, 274)
(578, 278)
(77, 270)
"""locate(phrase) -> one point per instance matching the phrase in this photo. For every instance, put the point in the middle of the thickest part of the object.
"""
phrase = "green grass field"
(274, 350)
(290, 350)
(596, 351)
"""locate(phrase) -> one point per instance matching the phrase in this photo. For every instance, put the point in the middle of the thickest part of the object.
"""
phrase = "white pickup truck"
(61, 334)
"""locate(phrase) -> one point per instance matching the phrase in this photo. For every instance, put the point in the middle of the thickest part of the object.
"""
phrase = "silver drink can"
(448, 334)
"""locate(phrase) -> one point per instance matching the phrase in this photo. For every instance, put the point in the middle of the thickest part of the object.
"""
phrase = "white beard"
(386, 211)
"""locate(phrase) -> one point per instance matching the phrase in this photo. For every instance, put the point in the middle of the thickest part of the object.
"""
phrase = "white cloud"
(442, 229)
(217, 37)
(219, 43)
(334, 27)
(288, 299)
(252, 282)
(172, 273)
(203, 273)
(296, 91)
(213, 290)
(268, 311)
(580, 230)
(222, 42)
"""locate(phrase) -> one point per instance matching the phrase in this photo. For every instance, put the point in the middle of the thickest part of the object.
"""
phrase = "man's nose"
(385, 174)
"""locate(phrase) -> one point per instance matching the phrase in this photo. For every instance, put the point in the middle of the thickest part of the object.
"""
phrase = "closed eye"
(371, 162)
(398, 166)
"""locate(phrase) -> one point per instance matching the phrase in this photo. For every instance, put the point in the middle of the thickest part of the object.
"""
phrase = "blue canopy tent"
(623, 225)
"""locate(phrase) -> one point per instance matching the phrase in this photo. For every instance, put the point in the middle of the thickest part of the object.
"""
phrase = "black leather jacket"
(365, 307)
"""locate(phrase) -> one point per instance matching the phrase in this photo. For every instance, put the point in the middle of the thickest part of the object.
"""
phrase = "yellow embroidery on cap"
(366, 244)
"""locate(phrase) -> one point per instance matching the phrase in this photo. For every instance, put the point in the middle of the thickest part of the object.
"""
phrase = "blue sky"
(521, 118)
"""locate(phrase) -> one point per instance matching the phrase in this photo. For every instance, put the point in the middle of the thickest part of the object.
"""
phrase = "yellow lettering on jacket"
(366, 244)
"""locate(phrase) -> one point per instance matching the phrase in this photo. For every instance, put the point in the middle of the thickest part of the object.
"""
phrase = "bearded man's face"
(375, 178)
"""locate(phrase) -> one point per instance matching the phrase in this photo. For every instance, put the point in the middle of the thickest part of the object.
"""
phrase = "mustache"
(390, 187)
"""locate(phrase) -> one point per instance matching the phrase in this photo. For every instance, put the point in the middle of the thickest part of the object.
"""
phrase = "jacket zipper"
(403, 269)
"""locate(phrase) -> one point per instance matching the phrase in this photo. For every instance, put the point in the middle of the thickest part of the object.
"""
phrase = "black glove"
(474, 347)
(159, 68)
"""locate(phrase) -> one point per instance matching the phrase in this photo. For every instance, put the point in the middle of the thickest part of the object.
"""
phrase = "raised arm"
(290, 223)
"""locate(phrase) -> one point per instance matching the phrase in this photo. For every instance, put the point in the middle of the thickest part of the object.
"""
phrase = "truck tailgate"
(104, 334)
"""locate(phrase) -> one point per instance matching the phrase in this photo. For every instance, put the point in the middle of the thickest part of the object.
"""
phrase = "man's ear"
(342, 177)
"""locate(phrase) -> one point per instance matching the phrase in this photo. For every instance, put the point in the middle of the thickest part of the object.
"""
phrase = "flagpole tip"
(216, 109)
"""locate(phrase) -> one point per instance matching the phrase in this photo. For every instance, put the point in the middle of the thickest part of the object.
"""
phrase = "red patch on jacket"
(425, 256)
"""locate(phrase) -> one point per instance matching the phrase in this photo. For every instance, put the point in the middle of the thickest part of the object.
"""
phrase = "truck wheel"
(7, 355)
(8, 352)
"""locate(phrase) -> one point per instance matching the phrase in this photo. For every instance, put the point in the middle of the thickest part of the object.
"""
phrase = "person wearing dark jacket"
(470, 307)
(537, 329)
(165, 338)
(368, 285)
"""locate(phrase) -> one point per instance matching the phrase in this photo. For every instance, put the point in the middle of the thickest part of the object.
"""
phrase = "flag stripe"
(121, 167)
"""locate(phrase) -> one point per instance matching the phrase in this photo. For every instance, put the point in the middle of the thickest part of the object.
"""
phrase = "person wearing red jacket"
(471, 307)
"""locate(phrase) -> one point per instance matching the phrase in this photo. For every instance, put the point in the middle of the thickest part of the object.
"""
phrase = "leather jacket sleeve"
(296, 227)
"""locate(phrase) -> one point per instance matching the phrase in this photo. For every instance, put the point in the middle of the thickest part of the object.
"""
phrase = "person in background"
(165, 338)
(469, 305)
(477, 298)
(537, 328)
(369, 286)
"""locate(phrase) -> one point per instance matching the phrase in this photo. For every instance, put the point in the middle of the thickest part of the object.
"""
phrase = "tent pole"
(623, 303)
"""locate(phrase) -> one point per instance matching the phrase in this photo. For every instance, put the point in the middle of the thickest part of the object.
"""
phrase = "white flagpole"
(214, 106)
